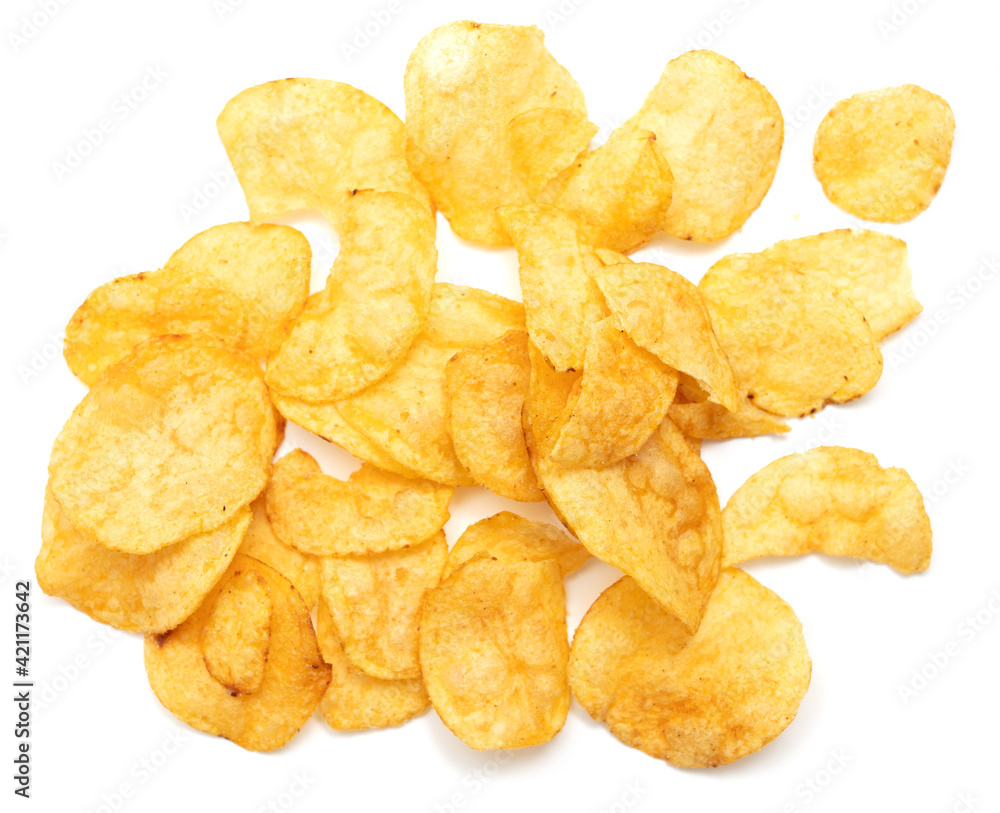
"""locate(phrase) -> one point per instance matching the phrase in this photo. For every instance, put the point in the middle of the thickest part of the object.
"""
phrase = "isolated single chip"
(239, 282)
(486, 389)
(293, 680)
(870, 269)
(312, 144)
(831, 500)
(375, 603)
(371, 512)
(493, 652)
(699, 700)
(140, 593)
(544, 142)
(793, 341)
(355, 701)
(263, 544)
(465, 83)
(882, 155)
(354, 331)
(236, 637)
(170, 442)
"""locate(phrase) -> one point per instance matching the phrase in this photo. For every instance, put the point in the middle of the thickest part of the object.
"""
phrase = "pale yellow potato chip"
(882, 154)
(465, 83)
(545, 141)
(699, 700)
(831, 500)
(236, 637)
(263, 544)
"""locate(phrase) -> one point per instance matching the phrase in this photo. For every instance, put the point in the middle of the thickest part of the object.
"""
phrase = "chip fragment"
(237, 636)
(544, 142)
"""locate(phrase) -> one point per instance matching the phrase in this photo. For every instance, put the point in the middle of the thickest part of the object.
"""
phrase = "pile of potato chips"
(166, 514)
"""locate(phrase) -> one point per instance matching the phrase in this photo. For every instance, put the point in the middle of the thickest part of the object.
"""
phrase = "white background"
(121, 211)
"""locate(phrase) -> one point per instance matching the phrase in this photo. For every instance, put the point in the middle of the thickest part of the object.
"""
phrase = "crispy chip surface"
(699, 419)
(544, 142)
(263, 544)
(237, 636)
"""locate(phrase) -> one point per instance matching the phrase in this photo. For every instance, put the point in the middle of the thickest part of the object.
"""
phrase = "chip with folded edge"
(545, 141)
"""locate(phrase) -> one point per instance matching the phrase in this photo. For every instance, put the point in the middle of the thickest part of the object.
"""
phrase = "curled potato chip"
(294, 675)
(239, 282)
(493, 652)
(237, 636)
(870, 269)
(375, 602)
(699, 700)
(707, 421)
(545, 141)
(170, 442)
(882, 155)
(486, 388)
(360, 326)
(831, 500)
(355, 701)
(793, 341)
(371, 512)
(153, 592)
(261, 542)
(312, 144)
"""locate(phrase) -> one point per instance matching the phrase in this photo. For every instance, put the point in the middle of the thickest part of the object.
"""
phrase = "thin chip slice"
(544, 142)
(699, 700)
(236, 637)
(882, 155)
(375, 603)
(708, 421)
(831, 500)
(169, 443)
(293, 681)
(140, 593)
(493, 651)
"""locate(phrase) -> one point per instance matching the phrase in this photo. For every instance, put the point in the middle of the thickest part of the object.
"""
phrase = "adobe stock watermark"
(627, 799)
(898, 16)
(39, 359)
(939, 488)
(366, 32)
(559, 13)
(474, 782)
(34, 23)
(96, 645)
(818, 98)
(824, 434)
(294, 791)
(6, 570)
(204, 194)
(965, 802)
(223, 8)
(141, 771)
(714, 27)
(815, 785)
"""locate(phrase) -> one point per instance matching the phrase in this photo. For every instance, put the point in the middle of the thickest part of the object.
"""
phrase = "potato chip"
(140, 593)
(375, 602)
(699, 419)
(293, 680)
(170, 442)
(312, 144)
(882, 155)
(830, 500)
(793, 341)
(237, 636)
(371, 512)
(544, 142)
(870, 269)
(261, 542)
(486, 387)
(493, 651)
(699, 700)
(355, 701)
(360, 326)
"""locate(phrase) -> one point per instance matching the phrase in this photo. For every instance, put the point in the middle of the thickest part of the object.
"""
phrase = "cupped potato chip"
(371, 512)
(544, 142)
(699, 700)
(170, 442)
(831, 500)
(263, 544)
(375, 603)
(312, 144)
(486, 388)
(870, 269)
(793, 341)
(294, 675)
(355, 701)
(360, 326)
(493, 652)
(465, 83)
(239, 282)
(512, 538)
(153, 592)
(882, 155)
(236, 638)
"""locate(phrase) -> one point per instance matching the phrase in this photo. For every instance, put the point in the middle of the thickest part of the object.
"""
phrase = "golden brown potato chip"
(486, 388)
(241, 283)
(355, 701)
(699, 700)
(312, 144)
(375, 602)
(465, 83)
(170, 442)
(870, 269)
(360, 326)
(830, 500)
(493, 651)
(882, 154)
(699, 419)
(371, 512)
(263, 544)
(237, 635)
(292, 683)
(793, 341)
(545, 141)
(141, 593)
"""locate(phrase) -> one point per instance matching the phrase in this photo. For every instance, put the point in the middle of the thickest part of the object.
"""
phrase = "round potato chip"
(882, 155)
(699, 700)
(170, 442)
